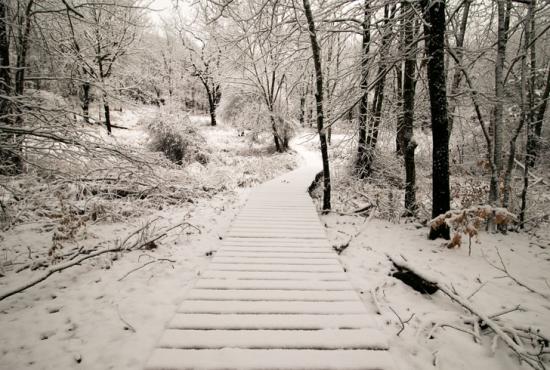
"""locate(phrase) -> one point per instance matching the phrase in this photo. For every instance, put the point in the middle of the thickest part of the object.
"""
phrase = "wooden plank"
(272, 275)
(260, 359)
(275, 339)
(272, 321)
(272, 284)
(278, 307)
(290, 249)
(272, 295)
(275, 260)
(274, 267)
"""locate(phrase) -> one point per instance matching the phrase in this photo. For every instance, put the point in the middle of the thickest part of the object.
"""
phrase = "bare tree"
(316, 52)
(434, 29)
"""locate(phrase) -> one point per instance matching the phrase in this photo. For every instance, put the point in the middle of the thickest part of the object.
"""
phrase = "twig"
(401, 321)
(145, 264)
(375, 300)
(477, 290)
(473, 333)
(63, 266)
(128, 325)
(504, 269)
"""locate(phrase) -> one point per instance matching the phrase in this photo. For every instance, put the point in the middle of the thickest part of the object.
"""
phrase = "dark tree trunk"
(85, 100)
(400, 135)
(409, 144)
(533, 116)
(23, 49)
(319, 100)
(107, 114)
(212, 110)
(362, 153)
(214, 95)
(5, 78)
(302, 110)
(276, 140)
(434, 28)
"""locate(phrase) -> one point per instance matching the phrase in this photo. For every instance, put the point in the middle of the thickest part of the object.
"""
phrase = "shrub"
(179, 141)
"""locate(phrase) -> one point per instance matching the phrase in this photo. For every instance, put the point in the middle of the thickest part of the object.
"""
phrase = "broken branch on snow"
(503, 332)
(139, 243)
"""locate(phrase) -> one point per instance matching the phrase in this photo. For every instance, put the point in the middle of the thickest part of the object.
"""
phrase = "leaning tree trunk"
(362, 153)
(434, 28)
(409, 144)
(316, 51)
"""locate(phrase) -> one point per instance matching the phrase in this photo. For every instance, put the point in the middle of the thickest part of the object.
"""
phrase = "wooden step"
(275, 339)
(262, 359)
(272, 321)
(272, 307)
(272, 295)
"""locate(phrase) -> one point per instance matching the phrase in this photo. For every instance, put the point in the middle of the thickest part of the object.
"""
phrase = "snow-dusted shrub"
(469, 221)
(177, 139)
(250, 113)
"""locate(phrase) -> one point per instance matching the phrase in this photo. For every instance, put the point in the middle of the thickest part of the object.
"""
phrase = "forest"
(132, 132)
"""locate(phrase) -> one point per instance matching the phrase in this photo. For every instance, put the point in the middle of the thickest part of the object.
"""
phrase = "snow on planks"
(274, 297)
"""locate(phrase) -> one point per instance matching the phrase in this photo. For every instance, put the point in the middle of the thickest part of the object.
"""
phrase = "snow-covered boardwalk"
(274, 297)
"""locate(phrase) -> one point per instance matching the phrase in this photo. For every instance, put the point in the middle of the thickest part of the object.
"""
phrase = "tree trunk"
(214, 95)
(532, 116)
(409, 144)
(23, 49)
(276, 140)
(319, 100)
(539, 117)
(362, 159)
(107, 114)
(85, 100)
(434, 28)
(9, 159)
(376, 110)
(526, 113)
(302, 113)
(503, 11)
(5, 78)
(457, 74)
(400, 134)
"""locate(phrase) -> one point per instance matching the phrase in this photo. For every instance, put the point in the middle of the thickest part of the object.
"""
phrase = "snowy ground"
(417, 346)
(96, 316)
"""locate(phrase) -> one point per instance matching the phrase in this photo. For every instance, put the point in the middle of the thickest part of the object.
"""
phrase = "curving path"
(275, 295)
